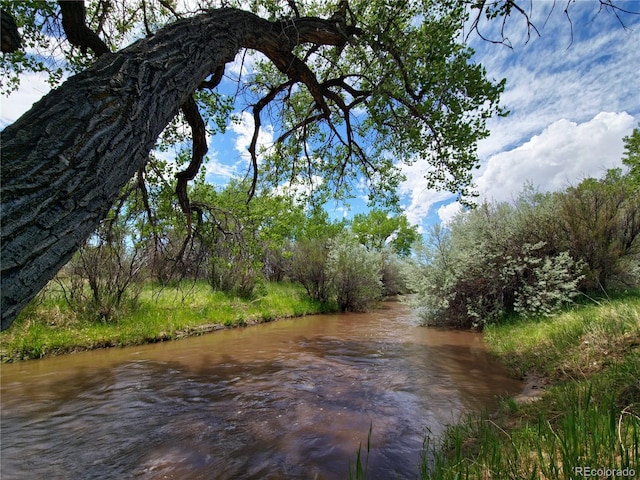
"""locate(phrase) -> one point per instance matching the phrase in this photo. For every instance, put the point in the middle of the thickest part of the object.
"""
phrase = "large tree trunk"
(64, 161)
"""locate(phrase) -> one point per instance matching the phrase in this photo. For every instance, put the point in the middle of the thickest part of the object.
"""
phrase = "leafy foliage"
(631, 157)
(400, 86)
(354, 274)
(530, 257)
(487, 265)
(309, 267)
(377, 230)
(602, 221)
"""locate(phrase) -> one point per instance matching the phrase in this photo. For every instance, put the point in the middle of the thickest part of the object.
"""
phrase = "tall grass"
(358, 471)
(587, 418)
(49, 327)
(578, 425)
(572, 344)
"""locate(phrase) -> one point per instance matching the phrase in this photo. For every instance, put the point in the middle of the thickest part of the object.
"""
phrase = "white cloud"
(562, 74)
(33, 87)
(244, 64)
(216, 171)
(301, 189)
(421, 199)
(559, 88)
(564, 153)
(446, 213)
(243, 127)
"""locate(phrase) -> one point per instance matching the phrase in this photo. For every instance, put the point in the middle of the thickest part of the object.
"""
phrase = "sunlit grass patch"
(578, 425)
(572, 343)
(587, 418)
(48, 326)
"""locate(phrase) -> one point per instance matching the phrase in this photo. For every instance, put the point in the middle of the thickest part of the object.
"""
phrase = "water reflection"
(291, 399)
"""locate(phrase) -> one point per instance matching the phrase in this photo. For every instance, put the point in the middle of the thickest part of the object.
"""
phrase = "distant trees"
(311, 252)
(234, 245)
(602, 222)
(355, 274)
(533, 255)
(377, 230)
(357, 264)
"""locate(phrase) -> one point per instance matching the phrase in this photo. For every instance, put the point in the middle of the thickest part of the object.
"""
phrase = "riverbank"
(48, 327)
(580, 415)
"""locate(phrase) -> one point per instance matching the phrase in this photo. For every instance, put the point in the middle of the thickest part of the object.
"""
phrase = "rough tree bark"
(66, 159)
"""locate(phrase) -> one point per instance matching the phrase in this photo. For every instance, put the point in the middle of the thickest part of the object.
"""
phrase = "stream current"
(292, 399)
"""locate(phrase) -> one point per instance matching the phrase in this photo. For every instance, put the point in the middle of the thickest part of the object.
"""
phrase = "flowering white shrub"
(490, 263)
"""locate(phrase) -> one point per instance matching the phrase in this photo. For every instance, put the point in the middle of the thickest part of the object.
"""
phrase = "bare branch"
(492, 9)
(75, 27)
(257, 122)
(10, 36)
(144, 17)
(199, 150)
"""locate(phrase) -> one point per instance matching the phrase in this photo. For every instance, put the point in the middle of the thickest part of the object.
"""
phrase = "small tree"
(602, 221)
(105, 275)
(311, 250)
(309, 266)
(355, 274)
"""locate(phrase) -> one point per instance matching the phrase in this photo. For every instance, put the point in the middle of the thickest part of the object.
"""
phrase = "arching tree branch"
(74, 23)
(95, 132)
(199, 150)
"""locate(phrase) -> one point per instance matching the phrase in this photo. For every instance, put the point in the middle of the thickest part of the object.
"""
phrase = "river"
(291, 399)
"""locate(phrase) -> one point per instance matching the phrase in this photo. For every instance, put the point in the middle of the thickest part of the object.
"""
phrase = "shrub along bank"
(583, 419)
(49, 327)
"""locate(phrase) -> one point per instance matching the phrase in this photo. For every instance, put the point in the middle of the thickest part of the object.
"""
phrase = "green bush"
(355, 274)
(309, 267)
(601, 221)
(491, 263)
(532, 256)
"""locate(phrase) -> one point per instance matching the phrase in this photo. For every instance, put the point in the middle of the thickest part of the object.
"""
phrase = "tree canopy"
(352, 88)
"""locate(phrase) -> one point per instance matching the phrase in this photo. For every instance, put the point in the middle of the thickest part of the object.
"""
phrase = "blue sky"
(573, 94)
(572, 98)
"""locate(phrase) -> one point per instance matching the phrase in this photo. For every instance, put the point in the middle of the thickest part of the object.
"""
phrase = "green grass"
(588, 416)
(48, 327)
(594, 423)
(572, 344)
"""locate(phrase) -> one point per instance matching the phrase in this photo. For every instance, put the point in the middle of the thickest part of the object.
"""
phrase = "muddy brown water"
(290, 399)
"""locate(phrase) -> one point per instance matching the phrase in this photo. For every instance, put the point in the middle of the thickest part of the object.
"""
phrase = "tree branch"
(257, 122)
(199, 150)
(75, 28)
(9, 31)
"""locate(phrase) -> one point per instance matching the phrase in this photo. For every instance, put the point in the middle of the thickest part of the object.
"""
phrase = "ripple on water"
(290, 399)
